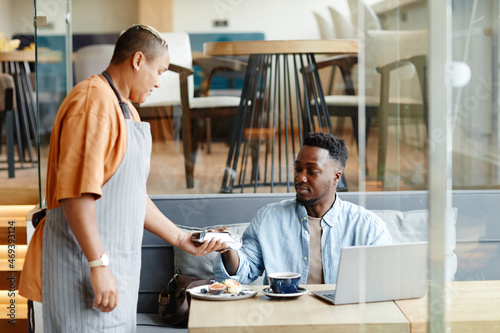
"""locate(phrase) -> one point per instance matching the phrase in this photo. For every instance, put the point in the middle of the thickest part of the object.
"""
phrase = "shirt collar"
(329, 217)
(333, 213)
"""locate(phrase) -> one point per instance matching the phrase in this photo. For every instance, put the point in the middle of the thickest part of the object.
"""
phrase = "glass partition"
(54, 70)
(474, 151)
(475, 129)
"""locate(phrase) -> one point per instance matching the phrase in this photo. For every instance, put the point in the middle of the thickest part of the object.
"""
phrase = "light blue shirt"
(277, 240)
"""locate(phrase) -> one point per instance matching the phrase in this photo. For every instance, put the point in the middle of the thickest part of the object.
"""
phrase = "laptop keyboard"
(330, 296)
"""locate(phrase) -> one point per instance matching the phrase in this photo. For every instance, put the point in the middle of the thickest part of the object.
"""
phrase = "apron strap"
(31, 317)
(123, 105)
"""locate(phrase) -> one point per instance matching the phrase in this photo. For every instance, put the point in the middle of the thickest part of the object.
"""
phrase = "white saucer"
(201, 292)
(300, 291)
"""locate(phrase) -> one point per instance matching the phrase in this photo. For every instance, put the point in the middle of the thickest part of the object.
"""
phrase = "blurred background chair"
(401, 107)
(395, 85)
(91, 60)
(325, 28)
(231, 69)
(371, 20)
(343, 27)
(7, 109)
(177, 90)
(163, 107)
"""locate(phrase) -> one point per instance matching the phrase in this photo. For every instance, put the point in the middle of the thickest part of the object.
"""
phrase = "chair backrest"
(169, 92)
(325, 28)
(342, 26)
(6, 82)
(372, 22)
(92, 59)
(386, 46)
(413, 226)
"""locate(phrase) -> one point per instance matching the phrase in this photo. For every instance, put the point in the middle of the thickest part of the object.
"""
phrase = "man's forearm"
(231, 261)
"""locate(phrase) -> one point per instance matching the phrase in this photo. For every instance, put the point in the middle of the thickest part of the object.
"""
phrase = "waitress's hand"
(105, 289)
(200, 249)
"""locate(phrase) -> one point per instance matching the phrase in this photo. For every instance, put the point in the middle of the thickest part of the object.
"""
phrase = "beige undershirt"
(315, 275)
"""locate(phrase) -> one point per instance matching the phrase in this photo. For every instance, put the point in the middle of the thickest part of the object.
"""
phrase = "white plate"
(268, 292)
(197, 293)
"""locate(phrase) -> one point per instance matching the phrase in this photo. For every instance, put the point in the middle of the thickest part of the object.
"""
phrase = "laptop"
(379, 273)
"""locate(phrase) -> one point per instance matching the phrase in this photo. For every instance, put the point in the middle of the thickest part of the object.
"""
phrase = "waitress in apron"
(84, 259)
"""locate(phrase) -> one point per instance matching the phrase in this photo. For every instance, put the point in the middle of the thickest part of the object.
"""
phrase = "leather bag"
(174, 301)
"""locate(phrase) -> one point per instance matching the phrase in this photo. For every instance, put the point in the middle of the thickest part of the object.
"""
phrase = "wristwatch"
(102, 261)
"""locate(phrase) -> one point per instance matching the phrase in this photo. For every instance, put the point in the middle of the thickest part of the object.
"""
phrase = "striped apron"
(66, 289)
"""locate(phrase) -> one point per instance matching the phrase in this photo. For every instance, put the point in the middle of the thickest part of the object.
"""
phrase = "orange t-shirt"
(88, 141)
(87, 145)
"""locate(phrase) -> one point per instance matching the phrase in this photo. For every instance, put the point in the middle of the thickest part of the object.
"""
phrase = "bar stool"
(7, 107)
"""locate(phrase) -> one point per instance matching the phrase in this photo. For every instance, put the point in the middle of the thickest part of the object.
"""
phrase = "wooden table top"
(262, 314)
(474, 306)
(18, 56)
(324, 46)
(29, 56)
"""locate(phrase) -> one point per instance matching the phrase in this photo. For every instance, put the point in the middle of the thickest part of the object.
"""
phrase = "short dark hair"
(335, 146)
(139, 37)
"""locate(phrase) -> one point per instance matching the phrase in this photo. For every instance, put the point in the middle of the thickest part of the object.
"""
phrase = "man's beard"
(306, 203)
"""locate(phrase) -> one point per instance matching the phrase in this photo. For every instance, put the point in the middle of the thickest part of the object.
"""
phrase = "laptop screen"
(382, 272)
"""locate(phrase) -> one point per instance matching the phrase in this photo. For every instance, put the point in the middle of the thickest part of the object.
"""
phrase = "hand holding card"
(232, 240)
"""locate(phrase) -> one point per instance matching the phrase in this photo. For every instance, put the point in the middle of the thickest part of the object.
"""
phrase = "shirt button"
(305, 258)
(305, 232)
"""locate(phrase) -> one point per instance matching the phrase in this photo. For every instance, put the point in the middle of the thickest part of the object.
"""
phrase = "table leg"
(25, 117)
(28, 96)
(30, 99)
(274, 111)
(237, 134)
(9, 125)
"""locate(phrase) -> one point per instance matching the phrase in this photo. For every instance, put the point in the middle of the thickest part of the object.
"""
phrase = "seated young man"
(306, 234)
